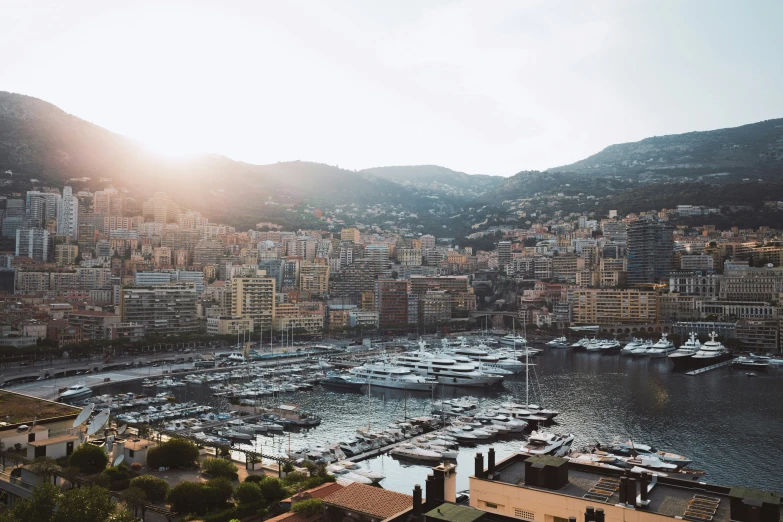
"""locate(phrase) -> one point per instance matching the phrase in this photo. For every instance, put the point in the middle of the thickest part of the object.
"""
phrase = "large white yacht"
(661, 349)
(545, 443)
(445, 370)
(681, 357)
(75, 393)
(391, 376)
(711, 352)
(513, 340)
(482, 354)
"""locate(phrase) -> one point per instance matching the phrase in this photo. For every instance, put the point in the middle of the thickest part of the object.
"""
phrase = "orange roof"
(373, 501)
(324, 490)
(295, 517)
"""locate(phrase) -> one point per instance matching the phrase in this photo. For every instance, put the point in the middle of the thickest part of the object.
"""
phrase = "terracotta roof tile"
(373, 501)
(324, 490)
(295, 517)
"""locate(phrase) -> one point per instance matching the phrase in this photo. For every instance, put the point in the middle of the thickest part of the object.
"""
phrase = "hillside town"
(99, 267)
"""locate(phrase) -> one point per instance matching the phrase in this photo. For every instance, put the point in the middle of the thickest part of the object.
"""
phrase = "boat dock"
(708, 368)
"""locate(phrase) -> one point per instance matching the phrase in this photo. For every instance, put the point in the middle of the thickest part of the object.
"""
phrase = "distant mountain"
(433, 179)
(753, 148)
(41, 141)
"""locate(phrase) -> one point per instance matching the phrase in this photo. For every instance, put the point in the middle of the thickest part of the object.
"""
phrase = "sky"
(484, 87)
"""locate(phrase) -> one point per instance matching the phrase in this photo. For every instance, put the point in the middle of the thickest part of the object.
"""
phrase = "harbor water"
(728, 423)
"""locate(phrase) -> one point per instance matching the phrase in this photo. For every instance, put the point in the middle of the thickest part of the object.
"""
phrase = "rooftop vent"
(544, 471)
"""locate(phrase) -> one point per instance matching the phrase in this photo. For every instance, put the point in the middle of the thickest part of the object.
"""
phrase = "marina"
(405, 419)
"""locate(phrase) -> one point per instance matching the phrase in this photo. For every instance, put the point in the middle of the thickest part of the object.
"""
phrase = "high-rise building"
(650, 248)
(68, 218)
(504, 254)
(350, 234)
(379, 255)
(41, 207)
(32, 243)
(612, 307)
(391, 301)
(65, 255)
(314, 277)
(109, 202)
(427, 241)
(253, 298)
(164, 309)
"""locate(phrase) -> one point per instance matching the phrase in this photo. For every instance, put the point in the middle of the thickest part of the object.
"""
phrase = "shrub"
(136, 466)
(224, 487)
(220, 468)
(310, 506)
(248, 493)
(155, 488)
(174, 453)
(119, 476)
(188, 497)
(255, 478)
(273, 489)
(294, 477)
(89, 459)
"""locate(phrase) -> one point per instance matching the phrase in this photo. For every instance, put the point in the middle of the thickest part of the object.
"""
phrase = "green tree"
(134, 498)
(44, 467)
(223, 486)
(220, 468)
(89, 459)
(155, 488)
(86, 504)
(273, 489)
(174, 453)
(39, 507)
(248, 493)
(189, 497)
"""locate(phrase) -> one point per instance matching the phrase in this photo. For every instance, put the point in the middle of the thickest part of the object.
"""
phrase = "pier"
(708, 368)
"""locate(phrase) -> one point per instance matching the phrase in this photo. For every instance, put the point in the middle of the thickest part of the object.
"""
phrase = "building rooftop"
(53, 440)
(138, 444)
(16, 408)
(322, 491)
(670, 495)
(369, 500)
(455, 513)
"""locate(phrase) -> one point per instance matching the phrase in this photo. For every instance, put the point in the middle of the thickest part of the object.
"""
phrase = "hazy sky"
(484, 87)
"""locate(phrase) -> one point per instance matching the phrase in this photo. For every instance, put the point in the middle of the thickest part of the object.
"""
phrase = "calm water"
(729, 424)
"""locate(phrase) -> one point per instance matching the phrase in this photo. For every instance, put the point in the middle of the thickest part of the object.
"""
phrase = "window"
(31, 437)
(491, 505)
(525, 515)
(131, 453)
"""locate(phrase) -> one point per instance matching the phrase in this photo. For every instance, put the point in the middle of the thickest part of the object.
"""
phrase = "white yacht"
(485, 358)
(560, 342)
(76, 392)
(391, 376)
(642, 350)
(631, 346)
(661, 349)
(413, 452)
(711, 352)
(681, 357)
(581, 343)
(545, 443)
(513, 340)
(445, 371)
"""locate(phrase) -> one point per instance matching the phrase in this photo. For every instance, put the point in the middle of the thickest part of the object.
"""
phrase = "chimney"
(645, 480)
(446, 475)
(623, 490)
(416, 501)
(631, 493)
(478, 466)
(491, 462)
(599, 515)
(590, 514)
(429, 491)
